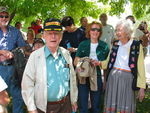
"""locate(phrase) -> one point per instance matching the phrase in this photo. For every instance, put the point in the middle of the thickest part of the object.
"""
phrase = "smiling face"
(4, 19)
(121, 33)
(95, 32)
(52, 38)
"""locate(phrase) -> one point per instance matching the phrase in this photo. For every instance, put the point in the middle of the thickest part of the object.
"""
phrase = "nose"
(53, 35)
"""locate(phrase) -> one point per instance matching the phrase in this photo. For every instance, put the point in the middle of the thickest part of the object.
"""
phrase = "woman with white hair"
(125, 65)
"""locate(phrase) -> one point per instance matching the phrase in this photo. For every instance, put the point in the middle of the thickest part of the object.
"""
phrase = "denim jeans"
(84, 91)
(6, 72)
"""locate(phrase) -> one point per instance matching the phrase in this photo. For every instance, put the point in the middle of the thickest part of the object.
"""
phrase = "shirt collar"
(48, 52)
(127, 44)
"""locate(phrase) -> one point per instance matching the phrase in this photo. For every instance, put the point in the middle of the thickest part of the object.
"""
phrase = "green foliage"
(28, 10)
(140, 8)
(117, 7)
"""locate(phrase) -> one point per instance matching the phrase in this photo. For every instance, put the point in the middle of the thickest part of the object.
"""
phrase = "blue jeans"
(84, 91)
(6, 72)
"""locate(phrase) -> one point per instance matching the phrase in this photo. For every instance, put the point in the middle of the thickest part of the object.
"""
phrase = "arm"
(4, 98)
(73, 85)
(103, 64)
(6, 54)
(20, 40)
(144, 40)
(141, 79)
(76, 60)
(28, 85)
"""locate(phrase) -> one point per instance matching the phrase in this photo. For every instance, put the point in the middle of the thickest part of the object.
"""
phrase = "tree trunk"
(12, 15)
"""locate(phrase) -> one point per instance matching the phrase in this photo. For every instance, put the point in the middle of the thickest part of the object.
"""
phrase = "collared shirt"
(3, 85)
(12, 39)
(122, 60)
(57, 75)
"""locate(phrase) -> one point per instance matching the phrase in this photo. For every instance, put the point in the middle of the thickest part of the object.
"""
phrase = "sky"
(114, 19)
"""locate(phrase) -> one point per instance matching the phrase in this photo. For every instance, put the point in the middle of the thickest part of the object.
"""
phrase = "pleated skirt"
(119, 96)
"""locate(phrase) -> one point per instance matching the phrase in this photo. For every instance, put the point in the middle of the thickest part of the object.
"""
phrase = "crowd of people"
(60, 68)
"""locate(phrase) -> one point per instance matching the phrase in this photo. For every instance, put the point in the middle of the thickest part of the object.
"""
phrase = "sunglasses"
(96, 29)
(1, 16)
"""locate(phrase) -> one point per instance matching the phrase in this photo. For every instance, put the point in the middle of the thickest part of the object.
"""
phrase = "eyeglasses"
(1, 16)
(96, 29)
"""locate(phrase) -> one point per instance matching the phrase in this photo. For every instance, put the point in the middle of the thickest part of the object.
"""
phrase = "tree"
(29, 10)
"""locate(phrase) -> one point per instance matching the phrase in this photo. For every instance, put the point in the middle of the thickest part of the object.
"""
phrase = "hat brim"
(52, 29)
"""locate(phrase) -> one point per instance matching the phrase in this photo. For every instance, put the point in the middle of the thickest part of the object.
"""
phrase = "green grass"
(144, 106)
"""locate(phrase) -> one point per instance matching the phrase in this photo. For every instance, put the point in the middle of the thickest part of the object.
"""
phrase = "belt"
(122, 69)
(6, 62)
(59, 101)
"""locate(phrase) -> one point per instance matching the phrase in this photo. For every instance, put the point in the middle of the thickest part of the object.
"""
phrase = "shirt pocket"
(66, 73)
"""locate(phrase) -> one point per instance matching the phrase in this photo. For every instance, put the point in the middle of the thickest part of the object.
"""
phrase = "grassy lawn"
(144, 107)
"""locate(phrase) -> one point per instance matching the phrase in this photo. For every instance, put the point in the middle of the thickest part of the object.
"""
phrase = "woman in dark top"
(72, 36)
(96, 50)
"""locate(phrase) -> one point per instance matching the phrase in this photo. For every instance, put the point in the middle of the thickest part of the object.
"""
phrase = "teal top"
(57, 75)
(102, 51)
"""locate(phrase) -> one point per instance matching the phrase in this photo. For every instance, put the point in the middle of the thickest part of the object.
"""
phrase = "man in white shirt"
(4, 99)
(107, 30)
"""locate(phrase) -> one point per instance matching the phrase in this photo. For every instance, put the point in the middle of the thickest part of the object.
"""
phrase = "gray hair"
(127, 26)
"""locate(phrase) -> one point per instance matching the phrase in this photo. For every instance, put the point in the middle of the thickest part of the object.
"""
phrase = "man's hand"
(5, 55)
(4, 98)
(95, 63)
(74, 107)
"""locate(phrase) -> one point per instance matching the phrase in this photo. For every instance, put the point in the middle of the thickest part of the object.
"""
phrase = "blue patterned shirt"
(57, 75)
(11, 40)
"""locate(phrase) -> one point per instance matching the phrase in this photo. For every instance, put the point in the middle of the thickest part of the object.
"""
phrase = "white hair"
(127, 26)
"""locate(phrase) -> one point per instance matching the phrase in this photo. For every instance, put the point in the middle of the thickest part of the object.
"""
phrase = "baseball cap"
(3, 9)
(52, 24)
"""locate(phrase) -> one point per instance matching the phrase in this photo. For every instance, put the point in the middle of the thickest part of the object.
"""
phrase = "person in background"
(125, 62)
(4, 98)
(137, 33)
(96, 50)
(36, 26)
(10, 38)
(131, 17)
(30, 37)
(84, 23)
(50, 71)
(72, 36)
(107, 30)
(18, 25)
(38, 43)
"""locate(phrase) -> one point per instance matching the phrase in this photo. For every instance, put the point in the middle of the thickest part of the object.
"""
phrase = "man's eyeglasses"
(1, 16)
(96, 29)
